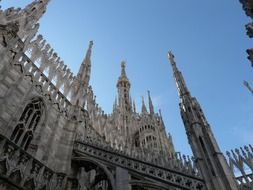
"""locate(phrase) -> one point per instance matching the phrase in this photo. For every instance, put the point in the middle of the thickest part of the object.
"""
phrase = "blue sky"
(208, 39)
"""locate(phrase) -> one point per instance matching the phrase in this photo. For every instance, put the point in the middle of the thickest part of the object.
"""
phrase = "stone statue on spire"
(123, 68)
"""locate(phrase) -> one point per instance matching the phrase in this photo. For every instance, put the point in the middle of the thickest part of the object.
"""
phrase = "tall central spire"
(123, 86)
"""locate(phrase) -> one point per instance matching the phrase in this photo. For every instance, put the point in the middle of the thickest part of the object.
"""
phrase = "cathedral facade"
(55, 136)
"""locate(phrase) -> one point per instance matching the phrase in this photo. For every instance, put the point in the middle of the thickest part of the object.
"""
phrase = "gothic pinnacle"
(181, 86)
(160, 114)
(151, 107)
(86, 64)
(134, 107)
(143, 108)
(28, 19)
(40, 6)
(88, 54)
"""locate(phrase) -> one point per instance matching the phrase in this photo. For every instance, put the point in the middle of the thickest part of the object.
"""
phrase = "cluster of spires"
(206, 140)
(123, 77)
(83, 75)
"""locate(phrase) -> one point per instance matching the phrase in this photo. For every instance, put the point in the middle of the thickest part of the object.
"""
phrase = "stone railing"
(241, 163)
(20, 170)
(176, 178)
(177, 161)
(241, 182)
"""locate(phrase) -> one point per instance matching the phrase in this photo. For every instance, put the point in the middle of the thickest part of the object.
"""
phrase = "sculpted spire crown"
(123, 68)
(123, 77)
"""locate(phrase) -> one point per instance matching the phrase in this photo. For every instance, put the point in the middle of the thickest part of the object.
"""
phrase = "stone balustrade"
(176, 162)
(241, 163)
(103, 152)
(241, 181)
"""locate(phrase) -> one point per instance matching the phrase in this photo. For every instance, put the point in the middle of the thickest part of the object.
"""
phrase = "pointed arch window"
(28, 122)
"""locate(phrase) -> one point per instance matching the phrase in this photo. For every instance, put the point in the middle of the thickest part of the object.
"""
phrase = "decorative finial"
(123, 66)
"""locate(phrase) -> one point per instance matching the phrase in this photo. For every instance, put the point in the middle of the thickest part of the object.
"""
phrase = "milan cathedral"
(55, 136)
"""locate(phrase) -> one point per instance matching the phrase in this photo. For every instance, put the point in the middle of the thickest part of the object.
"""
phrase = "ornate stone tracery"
(28, 122)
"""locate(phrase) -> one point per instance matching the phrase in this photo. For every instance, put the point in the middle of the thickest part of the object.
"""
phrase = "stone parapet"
(176, 177)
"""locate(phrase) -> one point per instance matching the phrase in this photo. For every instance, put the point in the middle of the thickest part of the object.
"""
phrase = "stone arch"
(41, 98)
(94, 164)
